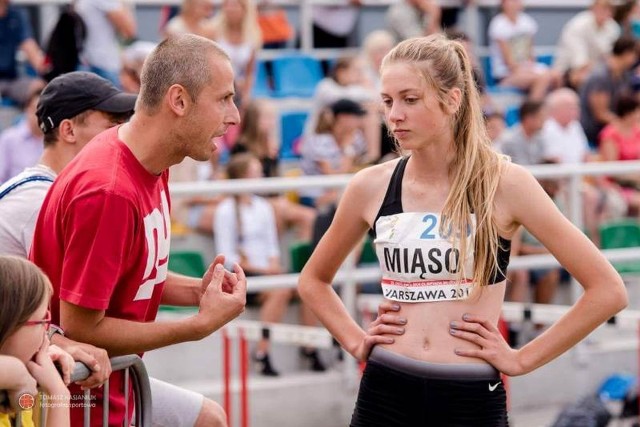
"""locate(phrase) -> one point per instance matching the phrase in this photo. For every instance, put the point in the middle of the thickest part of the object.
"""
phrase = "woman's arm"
(314, 286)
(604, 294)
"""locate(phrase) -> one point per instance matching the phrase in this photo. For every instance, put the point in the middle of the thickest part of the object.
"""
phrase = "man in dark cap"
(72, 109)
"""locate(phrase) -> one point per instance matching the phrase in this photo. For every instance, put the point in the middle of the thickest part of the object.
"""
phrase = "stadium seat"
(189, 263)
(300, 253)
(261, 85)
(368, 255)
(292, 126)
(545, 59)
(512, 115)
(623, 233)
(296, 76)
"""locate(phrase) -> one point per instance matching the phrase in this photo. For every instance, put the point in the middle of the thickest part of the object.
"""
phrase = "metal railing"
(134, 371)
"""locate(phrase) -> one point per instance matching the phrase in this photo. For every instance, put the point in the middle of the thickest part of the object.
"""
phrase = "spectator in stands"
(275, 27)
(523, 142)
(195, 18)
(21, 144)
(513, 62)
(563, 137)
(106, 221)
(107, 21)
(258, 136)
(17, 36)
(336, 147)
(496, 126)
(586, 40)
(245, 230)
(376, 45)
(601, 90)
(24, 321)
(332, 25)
(413, 18)
(565, 143)
(238, 33)
(133, 57)
(620, 140)
(347, 81)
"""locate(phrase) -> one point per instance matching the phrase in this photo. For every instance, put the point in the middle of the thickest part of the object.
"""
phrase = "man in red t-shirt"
(103, 234)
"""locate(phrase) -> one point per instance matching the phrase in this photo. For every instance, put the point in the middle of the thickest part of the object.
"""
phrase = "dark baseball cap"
(73, 93)
(347, 106)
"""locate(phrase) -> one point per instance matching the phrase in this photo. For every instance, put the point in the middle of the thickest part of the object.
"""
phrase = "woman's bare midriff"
(427, 336)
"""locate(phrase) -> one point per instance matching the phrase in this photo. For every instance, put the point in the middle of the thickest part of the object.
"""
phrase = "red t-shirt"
(103, 237)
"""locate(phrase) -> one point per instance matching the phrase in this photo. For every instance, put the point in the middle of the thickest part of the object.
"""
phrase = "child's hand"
(64, 359)
(45, 373)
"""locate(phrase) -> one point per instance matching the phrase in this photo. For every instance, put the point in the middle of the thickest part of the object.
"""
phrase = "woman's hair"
(342, 63)
(23, 288)
(476, 168)
(626, 104)
(250, 29)
(251, 136)
(326, 121)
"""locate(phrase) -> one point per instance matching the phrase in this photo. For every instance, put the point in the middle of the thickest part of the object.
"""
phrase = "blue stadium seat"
(261, 85)
(545, 59)
(512, 115)
(292, 126)
(296, 76)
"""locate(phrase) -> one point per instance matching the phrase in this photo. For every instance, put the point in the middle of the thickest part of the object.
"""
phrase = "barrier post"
(244, 374)
(226, 373)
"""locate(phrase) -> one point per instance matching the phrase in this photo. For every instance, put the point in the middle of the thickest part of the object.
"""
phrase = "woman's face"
(411, 109)
(204, 8)
(234, 11)
(25, 342)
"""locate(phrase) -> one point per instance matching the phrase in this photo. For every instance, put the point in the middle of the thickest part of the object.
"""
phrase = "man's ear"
(178, 100)
(453, 101)
(66, 132)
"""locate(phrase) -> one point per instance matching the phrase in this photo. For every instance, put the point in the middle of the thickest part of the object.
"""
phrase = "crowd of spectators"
(582, 107)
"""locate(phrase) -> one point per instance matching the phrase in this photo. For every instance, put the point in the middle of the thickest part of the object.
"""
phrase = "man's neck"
(146, 139)
(55, 157)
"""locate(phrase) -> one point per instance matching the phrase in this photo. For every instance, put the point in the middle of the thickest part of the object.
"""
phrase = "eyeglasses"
(46, 321)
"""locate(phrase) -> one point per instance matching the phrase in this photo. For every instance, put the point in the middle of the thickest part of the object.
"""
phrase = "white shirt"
(259, 233)
(567, 145)
(336, 20)
(19, 211)
(518, 36)
(101, 48)
(582, 41)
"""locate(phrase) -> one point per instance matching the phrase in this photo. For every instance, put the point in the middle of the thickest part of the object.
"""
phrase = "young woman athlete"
(442, 218)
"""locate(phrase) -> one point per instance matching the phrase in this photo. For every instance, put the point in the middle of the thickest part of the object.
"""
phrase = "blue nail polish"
(453, 324)
(452, 331)
(465, 317)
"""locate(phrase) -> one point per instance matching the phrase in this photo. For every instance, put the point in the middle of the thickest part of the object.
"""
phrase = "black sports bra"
(409, 246)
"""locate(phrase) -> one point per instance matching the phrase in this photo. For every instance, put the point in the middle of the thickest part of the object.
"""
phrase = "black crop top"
(409, 243)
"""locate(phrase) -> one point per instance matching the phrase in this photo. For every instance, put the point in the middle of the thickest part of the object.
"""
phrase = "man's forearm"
(181, 290)
(119, 336)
